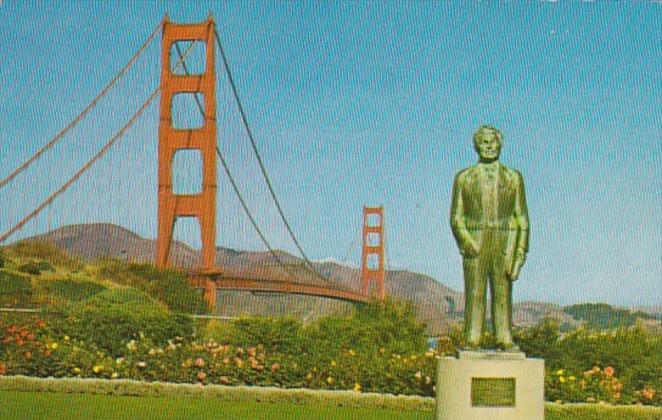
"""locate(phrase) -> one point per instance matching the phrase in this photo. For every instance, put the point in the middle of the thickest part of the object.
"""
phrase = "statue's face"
(488, 148)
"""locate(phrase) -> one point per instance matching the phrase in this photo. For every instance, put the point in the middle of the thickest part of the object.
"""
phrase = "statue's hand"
(513, 272)
(471, 249)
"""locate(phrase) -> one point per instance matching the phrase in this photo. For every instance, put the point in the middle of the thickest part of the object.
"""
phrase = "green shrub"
(29, 268)
(2, 259)
(168, 286)
(618, 366)
(541, 340)
(379, 348)
(283, 335)
(601, 315)
(35, 267)
(15, 290)
(71, 289)
(45, 251)
(391, 325)
(113, 317)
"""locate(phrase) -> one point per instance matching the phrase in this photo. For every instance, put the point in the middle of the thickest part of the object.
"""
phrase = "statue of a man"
(490, 223)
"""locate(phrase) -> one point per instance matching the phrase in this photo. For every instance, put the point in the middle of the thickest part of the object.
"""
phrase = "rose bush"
(326, 354)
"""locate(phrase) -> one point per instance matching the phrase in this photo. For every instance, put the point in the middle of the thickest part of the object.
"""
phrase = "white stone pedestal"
(490, 385)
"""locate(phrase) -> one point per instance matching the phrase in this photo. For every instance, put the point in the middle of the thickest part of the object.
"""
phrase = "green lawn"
(45, 405)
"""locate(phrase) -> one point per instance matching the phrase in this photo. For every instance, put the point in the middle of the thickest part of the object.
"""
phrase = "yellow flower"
(357, 387)
(429, 354)
(351, 353)
(562, 379)
(114, 375)
(559, 372)
(333, 363)
(330, 380)
(54, 345)
(572, 378)
(97, 368)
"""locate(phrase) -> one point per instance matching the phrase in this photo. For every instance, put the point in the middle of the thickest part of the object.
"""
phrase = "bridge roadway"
(212, 280)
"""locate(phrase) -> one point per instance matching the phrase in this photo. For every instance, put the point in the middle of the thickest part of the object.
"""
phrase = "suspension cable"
(279, 261)
(259, 158)
(89, 163)
(352, 245)
(83, 113)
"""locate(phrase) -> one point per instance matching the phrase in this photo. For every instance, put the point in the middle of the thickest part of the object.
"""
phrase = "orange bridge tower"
(372, 258)
(202, 206)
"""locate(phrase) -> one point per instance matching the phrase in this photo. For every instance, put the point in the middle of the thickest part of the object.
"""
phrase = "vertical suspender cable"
(259, 158)
(234, 184)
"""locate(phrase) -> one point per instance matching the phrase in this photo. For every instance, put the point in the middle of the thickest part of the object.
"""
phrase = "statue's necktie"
(490, 196)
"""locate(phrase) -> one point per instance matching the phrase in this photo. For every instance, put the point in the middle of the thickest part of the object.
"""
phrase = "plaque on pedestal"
(479, 385)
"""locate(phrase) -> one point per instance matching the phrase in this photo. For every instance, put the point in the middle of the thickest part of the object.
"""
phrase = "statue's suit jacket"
(468, 217)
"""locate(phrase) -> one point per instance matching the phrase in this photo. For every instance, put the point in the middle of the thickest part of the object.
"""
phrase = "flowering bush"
(167, 286)
(288, 359)
(593, 385)
(14, 289)
(111, 318)
(618, 366)
(327, 354)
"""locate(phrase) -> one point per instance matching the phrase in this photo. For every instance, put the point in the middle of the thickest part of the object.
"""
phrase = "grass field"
(35, 405)
(44, 405)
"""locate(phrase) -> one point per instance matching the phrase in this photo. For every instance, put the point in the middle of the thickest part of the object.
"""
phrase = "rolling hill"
(436, 304)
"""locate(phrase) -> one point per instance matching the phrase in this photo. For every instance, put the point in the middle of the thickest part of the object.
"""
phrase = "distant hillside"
(436, 304)
(601, 315)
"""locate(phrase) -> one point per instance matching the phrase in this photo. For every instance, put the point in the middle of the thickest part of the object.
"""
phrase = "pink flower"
(199, 362)
(201, 376)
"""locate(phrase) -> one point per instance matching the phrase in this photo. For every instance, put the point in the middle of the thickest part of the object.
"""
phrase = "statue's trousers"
(489, 266)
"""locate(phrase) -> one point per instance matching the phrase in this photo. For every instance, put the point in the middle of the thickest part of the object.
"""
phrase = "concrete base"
(480, 385)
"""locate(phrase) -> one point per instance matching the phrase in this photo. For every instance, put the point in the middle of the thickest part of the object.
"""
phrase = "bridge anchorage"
(209, 278)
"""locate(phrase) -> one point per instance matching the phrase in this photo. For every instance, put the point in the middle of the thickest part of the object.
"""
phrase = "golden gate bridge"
(177, 79)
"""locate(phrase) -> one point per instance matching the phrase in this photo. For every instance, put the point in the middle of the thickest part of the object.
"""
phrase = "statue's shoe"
(471, 347)
(510, 347)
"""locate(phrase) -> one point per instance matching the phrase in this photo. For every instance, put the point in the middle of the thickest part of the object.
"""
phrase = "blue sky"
(372, 103)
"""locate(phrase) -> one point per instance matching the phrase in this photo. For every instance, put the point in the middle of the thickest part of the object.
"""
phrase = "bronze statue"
(490, 223)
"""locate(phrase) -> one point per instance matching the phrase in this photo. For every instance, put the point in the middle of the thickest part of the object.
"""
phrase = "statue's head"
(487, 142)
